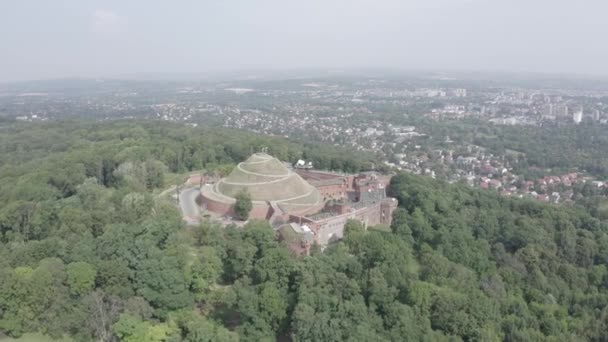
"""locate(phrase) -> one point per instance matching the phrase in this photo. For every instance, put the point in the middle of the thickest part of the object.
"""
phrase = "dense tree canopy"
(87, 249)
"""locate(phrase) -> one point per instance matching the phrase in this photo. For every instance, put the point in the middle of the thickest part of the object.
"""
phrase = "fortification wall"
(312, 175)
(260, 210)
(333, 191)
(216, 206)
(331, 228)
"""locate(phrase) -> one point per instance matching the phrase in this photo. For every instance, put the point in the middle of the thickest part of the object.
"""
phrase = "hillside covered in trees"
(87, 250)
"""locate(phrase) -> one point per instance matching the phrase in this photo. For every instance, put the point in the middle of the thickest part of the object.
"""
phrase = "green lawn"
(34, 338)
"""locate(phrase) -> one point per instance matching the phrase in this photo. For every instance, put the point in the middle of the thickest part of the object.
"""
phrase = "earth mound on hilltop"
(266, 179)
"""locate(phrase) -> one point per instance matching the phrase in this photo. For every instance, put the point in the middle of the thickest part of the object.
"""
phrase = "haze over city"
(57, 39)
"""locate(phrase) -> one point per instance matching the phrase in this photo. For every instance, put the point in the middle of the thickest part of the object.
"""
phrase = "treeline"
(47, 161)
(111, 262)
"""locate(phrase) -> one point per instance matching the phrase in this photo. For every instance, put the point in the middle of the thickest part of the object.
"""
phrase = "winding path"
(187, 203)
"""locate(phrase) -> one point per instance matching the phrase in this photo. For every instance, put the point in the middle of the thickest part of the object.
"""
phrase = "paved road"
(189, 207)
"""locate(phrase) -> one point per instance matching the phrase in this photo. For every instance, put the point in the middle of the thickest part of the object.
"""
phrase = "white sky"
(88, 38)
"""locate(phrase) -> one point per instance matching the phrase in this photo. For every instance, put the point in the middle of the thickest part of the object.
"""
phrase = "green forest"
(90, 252)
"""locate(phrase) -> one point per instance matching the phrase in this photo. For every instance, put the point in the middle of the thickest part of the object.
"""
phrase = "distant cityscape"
(393, 118)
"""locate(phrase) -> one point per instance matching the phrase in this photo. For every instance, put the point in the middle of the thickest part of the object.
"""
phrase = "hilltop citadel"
(306, 206)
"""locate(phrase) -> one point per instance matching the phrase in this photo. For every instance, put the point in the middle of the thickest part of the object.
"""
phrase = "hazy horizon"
(75, 39)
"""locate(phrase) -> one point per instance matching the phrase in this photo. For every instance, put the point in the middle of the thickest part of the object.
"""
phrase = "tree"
(198, 329)
(155, 174)
(81, 277)
(161, 282)
(136, 206)
(243, 205)
(400, 226)
(34, 299)
(353, 234)
(131, 329)
(203, 269)
(139, 307)
(101, 312)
